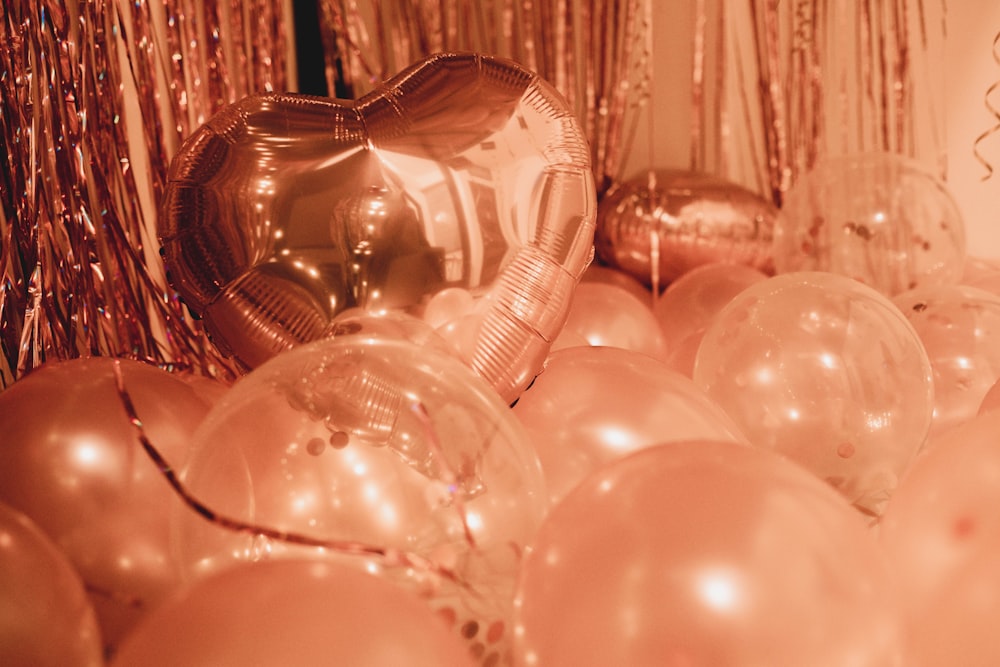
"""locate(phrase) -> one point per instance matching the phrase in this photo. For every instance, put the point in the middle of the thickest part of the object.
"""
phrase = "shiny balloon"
(593, 405)
(685, 219)
(598, 273)
(71, 461)
(690, 303)
(826, 371)
(959, 327)
(463, 172)
(46, 619)
(294, 612)
(705, 553)
(607, 314)
(876, 217)
(372, 447)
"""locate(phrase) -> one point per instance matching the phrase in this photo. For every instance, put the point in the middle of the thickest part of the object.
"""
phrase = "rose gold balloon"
(592, 405)
(688, 219)
(826, 371)
(46, 619)
(70, 460)
(597, 273)
(294, 612)
(877, 217)
(941, 531)
(462, 172)
(959, 327)
(609, 315)
(991, 401)
(705, 553)
(690, 303)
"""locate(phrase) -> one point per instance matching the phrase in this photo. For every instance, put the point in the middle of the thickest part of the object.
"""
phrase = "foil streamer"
(994, 111)
(96, 97)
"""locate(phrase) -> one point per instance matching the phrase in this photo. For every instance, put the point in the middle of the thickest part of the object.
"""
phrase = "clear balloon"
(609, 315)
(705, 553)
(959, 327)
(70, 460)
(386, 454)
(593, 405)
(690, 303)
(663, 223)
(826, 371)
(46, 619)
(879, 218)
(463, 172)
(293, 612)
(941, 532)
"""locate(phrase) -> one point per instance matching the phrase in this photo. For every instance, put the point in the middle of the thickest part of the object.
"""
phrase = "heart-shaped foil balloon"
(686, 219)
(463, 174)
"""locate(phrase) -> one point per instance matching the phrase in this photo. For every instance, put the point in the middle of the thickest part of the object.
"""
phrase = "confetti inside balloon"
(658, 226)
(463, 171)
(876, 217)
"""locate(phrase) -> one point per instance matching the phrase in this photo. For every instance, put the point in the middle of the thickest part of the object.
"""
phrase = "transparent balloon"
(876, 217)
(607, 314)
(959, 327)
(826, 371)
(463, 172)
(705, 553)
(385, 454)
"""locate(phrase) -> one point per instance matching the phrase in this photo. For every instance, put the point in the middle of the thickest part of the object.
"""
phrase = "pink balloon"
(46, 619)
(606, 314)
(959, 327)
(826, 371)
(70, 460)
(690, 303)
(705, 553)
(301, 613)
(592, 405)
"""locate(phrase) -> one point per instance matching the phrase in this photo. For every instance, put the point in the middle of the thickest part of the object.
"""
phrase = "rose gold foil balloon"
(690, 303)
(685, 219)
(607, 314)
(959, 327)
(876, 217)
(826, 371)
(941, 530)
(70, 460)
(46, 619)
(705, 553)
(370, 440)
(462, 172)
(592, 405)
(294, 612)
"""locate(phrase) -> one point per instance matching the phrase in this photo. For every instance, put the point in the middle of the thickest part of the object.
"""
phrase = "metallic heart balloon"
(462, 172)
(688, 219)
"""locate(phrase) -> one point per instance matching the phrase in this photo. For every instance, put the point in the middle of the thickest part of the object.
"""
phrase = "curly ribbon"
(993, 112)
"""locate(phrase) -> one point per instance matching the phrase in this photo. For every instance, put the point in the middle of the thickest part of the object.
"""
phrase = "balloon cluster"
(791, 468)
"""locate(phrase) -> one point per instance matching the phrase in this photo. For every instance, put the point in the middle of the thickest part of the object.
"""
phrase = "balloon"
(597, 273)
(991, 400)
(593, 405)
(705, 553)
(609, 315)
(292, 612)
(462, 172)
(941, 532)
(46, 619)
(374, 448)
(687, 219)
(876, 217)
(690, 303)
(70, 460)
(959, 327)
(826, 371)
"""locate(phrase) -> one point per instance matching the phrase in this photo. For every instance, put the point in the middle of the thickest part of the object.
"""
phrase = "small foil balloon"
(876, 217)
(960, 330)
(664, 223)
(463, 172)
(592, 405)
(826, 371)
(608, 314)
(70, 460)
(46, 619)
(705, 553)
(293, 612)
(376, 451)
